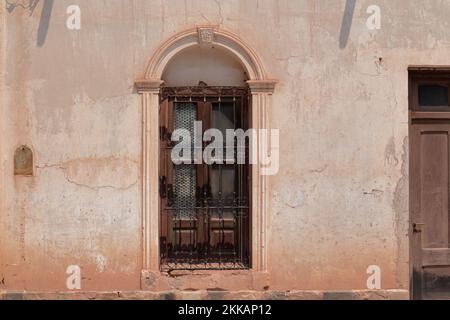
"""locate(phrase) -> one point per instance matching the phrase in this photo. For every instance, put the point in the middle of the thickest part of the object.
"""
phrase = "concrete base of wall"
(211, 295)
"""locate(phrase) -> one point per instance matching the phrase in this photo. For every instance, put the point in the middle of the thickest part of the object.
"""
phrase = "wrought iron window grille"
(205, 211)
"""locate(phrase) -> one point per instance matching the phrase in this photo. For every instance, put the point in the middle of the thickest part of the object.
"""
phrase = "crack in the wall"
(97, 188)
(220, 11)
(319, 170)
(206, 18)
(72, 179)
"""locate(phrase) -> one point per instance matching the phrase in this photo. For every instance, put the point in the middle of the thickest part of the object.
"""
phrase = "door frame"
(416, 75)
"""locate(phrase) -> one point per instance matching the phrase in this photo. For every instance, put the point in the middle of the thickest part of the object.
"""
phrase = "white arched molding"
(261, 89)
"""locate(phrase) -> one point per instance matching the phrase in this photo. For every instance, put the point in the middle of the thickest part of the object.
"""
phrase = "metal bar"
(192, 248)
(208, 207)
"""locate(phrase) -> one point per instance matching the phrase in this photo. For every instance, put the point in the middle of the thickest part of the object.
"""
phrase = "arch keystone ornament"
(206, 36)
(261, 90)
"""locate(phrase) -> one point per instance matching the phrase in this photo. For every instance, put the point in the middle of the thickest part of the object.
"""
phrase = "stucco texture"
(339, 202)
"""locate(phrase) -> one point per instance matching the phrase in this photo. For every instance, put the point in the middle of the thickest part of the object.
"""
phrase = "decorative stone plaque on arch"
(206, 36)
(261, 89)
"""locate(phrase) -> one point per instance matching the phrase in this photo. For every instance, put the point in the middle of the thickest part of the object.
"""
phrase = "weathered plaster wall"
(339, 202)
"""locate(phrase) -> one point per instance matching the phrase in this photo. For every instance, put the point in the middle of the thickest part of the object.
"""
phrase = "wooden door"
(430, 228)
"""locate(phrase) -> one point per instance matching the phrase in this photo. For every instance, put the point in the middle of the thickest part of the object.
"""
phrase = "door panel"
(430, 154)
(434, 188)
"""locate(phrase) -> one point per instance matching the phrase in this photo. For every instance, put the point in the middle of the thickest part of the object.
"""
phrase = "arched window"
(203, 216)
(204, 210)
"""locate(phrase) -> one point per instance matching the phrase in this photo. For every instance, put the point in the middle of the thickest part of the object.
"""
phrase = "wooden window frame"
(427, 76)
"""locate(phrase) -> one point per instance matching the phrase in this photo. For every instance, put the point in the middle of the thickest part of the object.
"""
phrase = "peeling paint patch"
(290, 197)
(376, 193)
(390, 153)
(103, 173)
(400, 202)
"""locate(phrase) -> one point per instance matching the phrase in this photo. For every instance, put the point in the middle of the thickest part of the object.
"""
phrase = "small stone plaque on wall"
(23, 162)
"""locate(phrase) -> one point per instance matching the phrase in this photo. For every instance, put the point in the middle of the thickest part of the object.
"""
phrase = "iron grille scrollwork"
(205, 213)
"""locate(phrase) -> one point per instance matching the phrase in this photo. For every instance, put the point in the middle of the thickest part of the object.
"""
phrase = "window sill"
(248, 279)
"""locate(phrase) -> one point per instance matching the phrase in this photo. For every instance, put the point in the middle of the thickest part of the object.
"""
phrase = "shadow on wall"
(44, 22)
(31, 5)
(347, 21)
